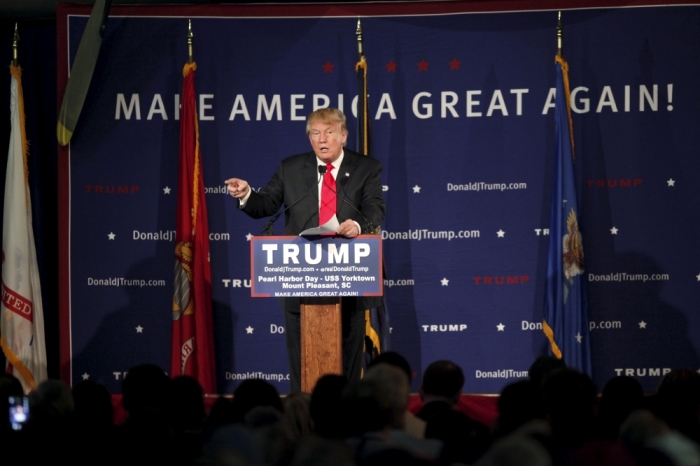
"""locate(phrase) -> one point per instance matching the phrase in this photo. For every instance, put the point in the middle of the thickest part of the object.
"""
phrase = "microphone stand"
(267, 229)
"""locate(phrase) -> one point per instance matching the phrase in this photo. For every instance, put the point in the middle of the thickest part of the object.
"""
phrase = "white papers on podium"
(331, 226)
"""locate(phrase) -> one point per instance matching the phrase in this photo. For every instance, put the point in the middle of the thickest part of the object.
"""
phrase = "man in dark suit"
(359, 207)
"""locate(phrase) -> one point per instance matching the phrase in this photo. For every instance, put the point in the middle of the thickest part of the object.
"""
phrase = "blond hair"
(327, 115)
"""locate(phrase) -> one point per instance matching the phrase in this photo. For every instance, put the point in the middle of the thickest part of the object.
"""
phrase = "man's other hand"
(348, 229)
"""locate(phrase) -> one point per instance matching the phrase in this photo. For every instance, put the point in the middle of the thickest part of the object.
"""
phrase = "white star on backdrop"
(579, 337)
(501, 233)
(248, 236)
(86, 376)
(642, 324)
(416, 189)
(139, 329)
(500, 327)
(111, 236)
(671, 182)
(249, 330)
(166, 190)
(698, 277)
(613, 231)
(444, 281)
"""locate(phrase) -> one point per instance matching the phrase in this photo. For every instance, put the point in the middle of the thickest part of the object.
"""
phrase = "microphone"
(370, 225)
(267, 229)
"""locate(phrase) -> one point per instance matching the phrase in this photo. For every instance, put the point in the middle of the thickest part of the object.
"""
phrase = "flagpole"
(190, 42)
(560, 31)
(358, 33)
(15, 46)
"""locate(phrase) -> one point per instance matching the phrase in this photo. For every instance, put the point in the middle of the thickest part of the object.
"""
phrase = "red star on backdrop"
(391, 66)
(423, 65)
(454, 64)
(328, 67)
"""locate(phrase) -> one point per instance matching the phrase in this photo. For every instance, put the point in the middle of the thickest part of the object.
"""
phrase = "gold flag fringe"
(197, 159)
(365, 108)
(567, 93)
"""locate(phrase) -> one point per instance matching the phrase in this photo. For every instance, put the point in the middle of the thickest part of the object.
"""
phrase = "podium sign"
(296, 266)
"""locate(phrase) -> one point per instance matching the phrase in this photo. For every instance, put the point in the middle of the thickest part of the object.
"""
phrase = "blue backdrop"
(463, 121)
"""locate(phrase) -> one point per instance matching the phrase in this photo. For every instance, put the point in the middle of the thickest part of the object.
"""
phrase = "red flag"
(193, 334)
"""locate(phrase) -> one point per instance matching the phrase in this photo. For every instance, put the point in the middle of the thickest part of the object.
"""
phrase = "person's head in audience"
(93, 406)
(515, 450)
(366, 408)
(621, 395)
(252, 393)
(272, 431)
(393, 359)
(393, 386)
(297, 414)
(233, 445)
(442, 381)
(50, 426)
(318, 451)
(464, 439)
(51, 400)
(641, 427)
(678, 401)
(186, 404)
(651, 442)
(520, 402)
(543, 367)
(326, 406)
(570, 398)
(414, 425)
(221, 414)
(145, 393)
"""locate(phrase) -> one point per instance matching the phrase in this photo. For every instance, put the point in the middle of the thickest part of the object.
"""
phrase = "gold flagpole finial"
(358, 33)
(190, 36)
(15, 45)
(559, 35)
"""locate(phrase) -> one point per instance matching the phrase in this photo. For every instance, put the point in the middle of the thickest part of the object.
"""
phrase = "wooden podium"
(319, 271)
(321, 340)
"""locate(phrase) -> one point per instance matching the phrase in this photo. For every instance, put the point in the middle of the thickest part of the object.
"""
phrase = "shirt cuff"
(241, 202)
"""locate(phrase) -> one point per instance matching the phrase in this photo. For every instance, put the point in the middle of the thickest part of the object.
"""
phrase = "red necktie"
(328, 201)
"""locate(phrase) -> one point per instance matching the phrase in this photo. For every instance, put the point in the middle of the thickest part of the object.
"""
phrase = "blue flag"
(566, 310)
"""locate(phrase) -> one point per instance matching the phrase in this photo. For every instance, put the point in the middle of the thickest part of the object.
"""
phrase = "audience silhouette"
(553, 418)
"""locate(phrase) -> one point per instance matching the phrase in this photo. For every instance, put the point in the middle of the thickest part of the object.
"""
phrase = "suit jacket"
(358, 182)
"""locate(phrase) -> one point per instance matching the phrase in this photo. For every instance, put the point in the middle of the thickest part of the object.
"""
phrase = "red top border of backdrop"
(362, 9)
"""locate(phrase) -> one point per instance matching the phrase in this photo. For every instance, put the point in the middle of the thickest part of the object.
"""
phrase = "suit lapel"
(345, 172)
